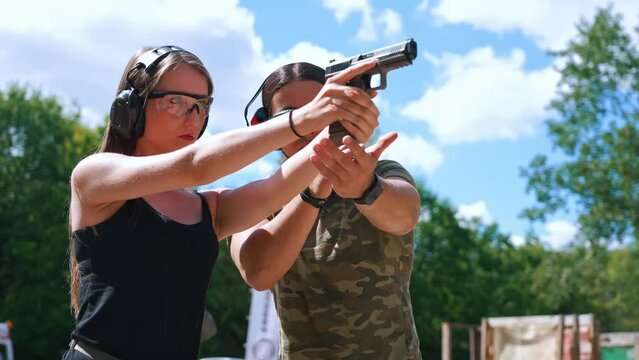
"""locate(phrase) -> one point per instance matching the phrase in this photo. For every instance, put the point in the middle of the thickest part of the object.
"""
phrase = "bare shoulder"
(91, 164)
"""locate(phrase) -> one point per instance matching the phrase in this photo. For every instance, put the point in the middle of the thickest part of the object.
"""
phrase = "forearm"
(397, 209)
(270, 251)
(240, 208)
(230, 151)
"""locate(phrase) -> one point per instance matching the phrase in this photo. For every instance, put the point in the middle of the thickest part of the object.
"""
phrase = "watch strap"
(313, 201)
(372, 193)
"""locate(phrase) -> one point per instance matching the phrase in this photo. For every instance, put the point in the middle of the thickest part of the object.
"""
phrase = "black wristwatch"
(371, 194)
(310, 199)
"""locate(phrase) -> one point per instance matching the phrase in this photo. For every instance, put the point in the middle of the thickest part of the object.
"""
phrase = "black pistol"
(390, 58)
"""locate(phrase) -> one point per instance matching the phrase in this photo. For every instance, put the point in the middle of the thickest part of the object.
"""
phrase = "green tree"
(583, 279)
(596, 130)
(464, 272)
(622, 290)
(228, 300)
(39, 145)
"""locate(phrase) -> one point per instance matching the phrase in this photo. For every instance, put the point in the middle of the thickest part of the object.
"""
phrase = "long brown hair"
(287, 74)
(143, 82)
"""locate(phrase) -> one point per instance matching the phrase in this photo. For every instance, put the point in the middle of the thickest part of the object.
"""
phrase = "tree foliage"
(463, 272)
(39, 145)
(228, 300)
(596, 130)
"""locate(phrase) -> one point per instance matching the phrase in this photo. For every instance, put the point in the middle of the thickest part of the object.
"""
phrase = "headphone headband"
(261, 114)
(150, 59)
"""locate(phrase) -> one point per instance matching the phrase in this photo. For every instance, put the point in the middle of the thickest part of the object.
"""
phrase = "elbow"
(408, 222)
(413, 213)
(257, 266)
(402, 229)
(259, 279)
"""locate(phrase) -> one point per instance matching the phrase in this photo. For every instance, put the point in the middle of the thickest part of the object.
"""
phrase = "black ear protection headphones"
(261, 115)
(127, 110)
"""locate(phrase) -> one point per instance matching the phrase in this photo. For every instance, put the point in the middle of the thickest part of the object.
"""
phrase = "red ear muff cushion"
(260, 116)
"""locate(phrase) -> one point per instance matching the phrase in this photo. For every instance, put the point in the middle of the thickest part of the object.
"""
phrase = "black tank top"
(143, 282)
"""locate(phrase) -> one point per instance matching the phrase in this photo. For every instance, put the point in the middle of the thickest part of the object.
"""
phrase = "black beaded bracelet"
(313, 201)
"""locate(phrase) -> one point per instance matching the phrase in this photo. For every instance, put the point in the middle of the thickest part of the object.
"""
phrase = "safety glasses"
(179, 103)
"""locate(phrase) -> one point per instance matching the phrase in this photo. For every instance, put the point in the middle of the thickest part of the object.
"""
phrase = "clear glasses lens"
(181, 105)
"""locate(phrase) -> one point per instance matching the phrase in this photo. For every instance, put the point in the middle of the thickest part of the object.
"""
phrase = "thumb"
(384, 142)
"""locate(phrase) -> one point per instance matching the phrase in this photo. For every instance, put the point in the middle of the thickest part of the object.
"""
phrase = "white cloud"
(367, 31)
(303, 51)
(477, 210)
(388, 20)
(69, 19)
(558, 233)
(517, 240)
(415, 153)
(547, 22)
(343, 9)
(392, 22)
(423, 6)
(77, 50)
(484, 97)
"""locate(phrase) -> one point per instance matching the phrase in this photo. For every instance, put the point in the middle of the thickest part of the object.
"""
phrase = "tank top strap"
(206, 213)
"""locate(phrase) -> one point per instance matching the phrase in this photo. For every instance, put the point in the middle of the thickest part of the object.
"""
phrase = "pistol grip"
(337, 132)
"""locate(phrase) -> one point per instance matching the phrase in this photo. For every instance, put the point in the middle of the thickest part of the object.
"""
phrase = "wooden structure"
(474, 337)
(558, 337)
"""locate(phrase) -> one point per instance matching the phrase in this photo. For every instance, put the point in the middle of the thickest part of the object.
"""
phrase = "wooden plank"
(446, 342)
(475, 342)
(560, 338)
(575, 337)
(484, 339)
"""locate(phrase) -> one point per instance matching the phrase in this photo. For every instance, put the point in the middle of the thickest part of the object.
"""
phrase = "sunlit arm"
(264, 253)
(397, 209)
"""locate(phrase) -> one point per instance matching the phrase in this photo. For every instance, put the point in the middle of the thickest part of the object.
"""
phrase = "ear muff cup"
(260, 116)
(127, 117)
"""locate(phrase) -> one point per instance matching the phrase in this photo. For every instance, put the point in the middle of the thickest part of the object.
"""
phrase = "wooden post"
(561, 337)
(475, 337)
(596, 345)
(575, 337)
(636, 346)
(484, 339)
(446, 342)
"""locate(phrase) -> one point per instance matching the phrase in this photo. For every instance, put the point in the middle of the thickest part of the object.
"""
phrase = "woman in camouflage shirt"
(339, 256)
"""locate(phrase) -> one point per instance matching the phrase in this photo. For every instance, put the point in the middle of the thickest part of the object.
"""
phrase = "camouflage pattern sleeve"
(391, 168)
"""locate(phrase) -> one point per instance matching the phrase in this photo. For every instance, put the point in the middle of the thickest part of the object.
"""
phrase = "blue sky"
(469, 111)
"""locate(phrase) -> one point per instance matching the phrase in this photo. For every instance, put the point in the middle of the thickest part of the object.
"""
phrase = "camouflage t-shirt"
(347, 294)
